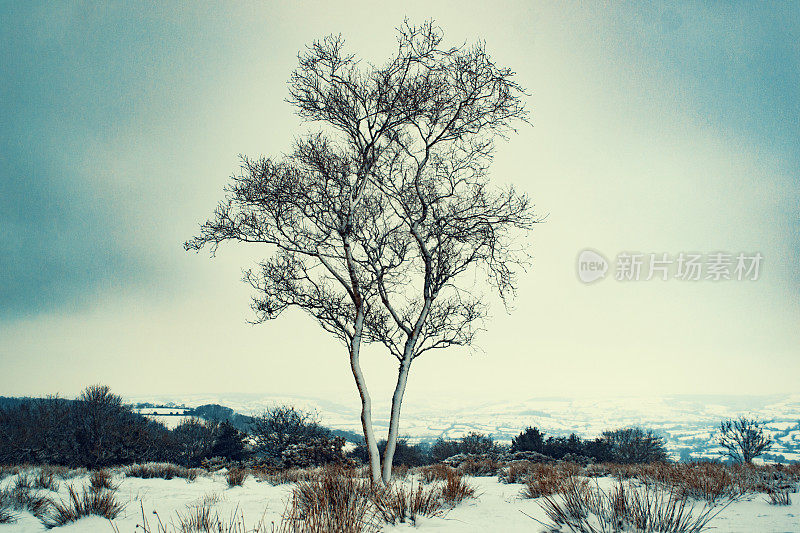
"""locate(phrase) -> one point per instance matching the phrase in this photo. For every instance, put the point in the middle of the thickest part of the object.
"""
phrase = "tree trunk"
(394, 421)
(366, 401)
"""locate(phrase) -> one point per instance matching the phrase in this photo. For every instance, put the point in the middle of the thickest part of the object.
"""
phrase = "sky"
(655, 128)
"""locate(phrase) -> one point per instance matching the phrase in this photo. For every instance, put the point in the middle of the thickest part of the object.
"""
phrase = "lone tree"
(743, 439)
(374, 222)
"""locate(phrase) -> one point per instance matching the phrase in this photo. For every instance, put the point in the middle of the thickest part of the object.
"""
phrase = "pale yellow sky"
(654, 130)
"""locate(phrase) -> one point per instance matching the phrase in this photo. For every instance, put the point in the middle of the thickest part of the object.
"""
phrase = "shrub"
(229, 443)
(634, 445)
(283, 426)
(95, 431)
(193, 441)
(87, 503)
(313, 452)
(236, 477)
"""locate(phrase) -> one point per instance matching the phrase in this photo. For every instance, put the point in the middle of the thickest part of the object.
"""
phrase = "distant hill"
(687, 422)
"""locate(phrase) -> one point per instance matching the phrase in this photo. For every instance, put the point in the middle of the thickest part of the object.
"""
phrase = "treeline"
(98, 430)
(624, 446)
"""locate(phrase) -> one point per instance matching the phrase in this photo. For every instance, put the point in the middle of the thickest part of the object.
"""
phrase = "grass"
(545, 479)
(779, 497)
(456, 489)
(236, 476)
(649, 508)
(401, 503)
(101, 479)
(78, 505)
(162, 471)
(336, 501)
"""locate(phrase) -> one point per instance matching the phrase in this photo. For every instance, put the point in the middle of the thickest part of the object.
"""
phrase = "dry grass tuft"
(21, 498)
(400, 503)
(101, 479)
(779, 497)
(236, 476)
(335, 501)
(45, 480)
(479, 466)
(162, 471)
(87, 503)
(647, 509)
(546, 479)
(437, 472)
(456, 489)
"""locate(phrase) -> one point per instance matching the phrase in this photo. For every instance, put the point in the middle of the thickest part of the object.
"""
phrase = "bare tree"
(434, 176)
(743, 439)
(373, 222)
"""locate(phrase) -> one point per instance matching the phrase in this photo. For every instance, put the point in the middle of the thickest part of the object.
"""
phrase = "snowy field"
(498, 507)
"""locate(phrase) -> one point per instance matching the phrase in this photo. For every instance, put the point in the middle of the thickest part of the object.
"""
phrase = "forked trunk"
(394, 421)
(366, 401)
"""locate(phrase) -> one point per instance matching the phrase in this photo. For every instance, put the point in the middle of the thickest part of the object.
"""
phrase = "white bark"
(400, 389)
(394, 421)
(366, 401)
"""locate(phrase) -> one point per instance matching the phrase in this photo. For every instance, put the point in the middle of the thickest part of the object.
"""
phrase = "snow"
(497, 508)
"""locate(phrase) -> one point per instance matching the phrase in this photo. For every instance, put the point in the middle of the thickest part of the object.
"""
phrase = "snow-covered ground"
(498, 507)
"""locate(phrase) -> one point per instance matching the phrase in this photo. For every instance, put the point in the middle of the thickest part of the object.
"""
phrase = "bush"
(87, 503)
(229, 443)
(634, 445)
(193, 442)
(283, 426)
(95, 431)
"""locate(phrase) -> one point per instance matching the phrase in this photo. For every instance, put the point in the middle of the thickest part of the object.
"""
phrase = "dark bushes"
(94, 431)
(624, 446)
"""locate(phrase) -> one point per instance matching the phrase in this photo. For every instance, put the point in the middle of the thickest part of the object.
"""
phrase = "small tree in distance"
(743, 439)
